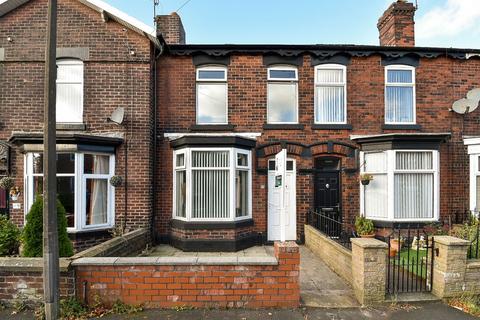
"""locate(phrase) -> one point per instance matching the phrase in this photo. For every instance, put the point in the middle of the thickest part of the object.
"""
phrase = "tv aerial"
(468, 104)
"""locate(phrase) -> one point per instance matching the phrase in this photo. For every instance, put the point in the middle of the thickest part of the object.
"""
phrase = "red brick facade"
(113, 77)
(439, 82)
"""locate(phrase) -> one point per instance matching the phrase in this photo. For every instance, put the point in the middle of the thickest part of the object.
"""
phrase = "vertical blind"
(376, 192)
(414, 194)
(69, 91)
(399, 96)
(210, 184)
(330, 96)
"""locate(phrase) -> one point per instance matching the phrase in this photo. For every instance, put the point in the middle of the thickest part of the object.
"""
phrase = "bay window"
(212, 184)
(212, 93)
(473, 144)
(282, 98)
(330, 94)
(404, 186)
(399, 94)
(83, 187)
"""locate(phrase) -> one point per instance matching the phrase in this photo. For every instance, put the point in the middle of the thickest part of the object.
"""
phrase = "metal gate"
(410, 262)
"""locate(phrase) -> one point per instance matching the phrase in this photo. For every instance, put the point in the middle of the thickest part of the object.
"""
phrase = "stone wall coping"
(103, 247)
(171, 261)
(21, 264)
(473, 264)
(369, 243)
(451, 241)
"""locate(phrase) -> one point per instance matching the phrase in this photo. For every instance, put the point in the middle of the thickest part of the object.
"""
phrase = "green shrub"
(33, 231)
(468, 231)
(364, 226)
(9, 237)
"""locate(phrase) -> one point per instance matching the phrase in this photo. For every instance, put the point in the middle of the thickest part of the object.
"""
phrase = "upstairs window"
(69, 91)
(330, 94)
(399, 94)
(212, 93)
(282, 95)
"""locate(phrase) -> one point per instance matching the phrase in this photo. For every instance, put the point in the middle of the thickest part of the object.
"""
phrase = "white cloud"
(450, 19)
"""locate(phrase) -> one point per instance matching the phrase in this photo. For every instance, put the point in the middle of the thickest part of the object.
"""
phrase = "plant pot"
(365, 182)
(14, 198)
(395, 244)
(367, 235)
(393, 252)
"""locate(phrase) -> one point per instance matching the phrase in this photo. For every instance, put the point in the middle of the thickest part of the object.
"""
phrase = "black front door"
(327, 187)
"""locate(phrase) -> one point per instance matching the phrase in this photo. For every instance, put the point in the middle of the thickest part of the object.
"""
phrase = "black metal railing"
(410, 262)
(474, 250)
(329, 224)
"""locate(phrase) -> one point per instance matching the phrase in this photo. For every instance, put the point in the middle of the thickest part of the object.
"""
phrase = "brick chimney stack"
(397, 25)
(170, 27)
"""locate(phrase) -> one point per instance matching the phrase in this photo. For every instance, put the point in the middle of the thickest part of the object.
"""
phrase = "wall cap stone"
(473, 264)
(29, 264)
(172, 261)
(369, 243)
(451, 241)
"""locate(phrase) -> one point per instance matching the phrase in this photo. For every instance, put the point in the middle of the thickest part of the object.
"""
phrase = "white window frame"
(282, 81)
(391, 171)
(199, 81)
(343, 84)
(80, 191)
(232, 168)
(473, 145)
(396, 84)
(74, 62)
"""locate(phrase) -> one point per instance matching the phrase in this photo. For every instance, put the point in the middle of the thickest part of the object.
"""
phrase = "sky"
(439, 23)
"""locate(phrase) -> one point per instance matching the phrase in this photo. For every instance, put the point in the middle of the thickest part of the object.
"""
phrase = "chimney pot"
(397, 25)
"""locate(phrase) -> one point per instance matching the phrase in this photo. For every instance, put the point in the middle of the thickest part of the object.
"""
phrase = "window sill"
(212, 127)
(71, 126)
(401, 127)
(333, 126)
(210, 225)
(283, 126)
(92, 230)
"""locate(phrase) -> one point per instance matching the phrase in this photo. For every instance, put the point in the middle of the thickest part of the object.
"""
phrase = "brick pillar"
(369, 270)
(450, 265)
(288, 256)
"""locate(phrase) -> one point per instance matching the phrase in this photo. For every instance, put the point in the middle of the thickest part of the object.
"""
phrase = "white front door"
(274, 203)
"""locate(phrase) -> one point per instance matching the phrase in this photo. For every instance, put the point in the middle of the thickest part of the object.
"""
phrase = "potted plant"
(14, 193)
(6, 183)
(116, 181)
(365, 178)
(364, 227)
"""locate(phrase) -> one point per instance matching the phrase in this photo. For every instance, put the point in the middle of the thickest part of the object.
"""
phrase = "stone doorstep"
(29, 264)
(170, 261)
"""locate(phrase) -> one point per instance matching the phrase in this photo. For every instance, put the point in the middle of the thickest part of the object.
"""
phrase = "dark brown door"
(3, 202)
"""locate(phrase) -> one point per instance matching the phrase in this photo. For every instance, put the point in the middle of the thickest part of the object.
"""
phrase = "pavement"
(421, 311)
(320, 287)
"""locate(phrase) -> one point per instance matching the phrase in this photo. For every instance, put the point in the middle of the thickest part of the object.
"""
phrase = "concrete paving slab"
(320, 287)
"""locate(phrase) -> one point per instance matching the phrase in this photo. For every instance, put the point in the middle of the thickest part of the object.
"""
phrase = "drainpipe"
(154, 149)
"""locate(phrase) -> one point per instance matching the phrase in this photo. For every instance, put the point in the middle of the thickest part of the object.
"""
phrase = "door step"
(411, 297)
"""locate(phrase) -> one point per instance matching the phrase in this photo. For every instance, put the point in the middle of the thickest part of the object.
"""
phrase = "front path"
(320, 287)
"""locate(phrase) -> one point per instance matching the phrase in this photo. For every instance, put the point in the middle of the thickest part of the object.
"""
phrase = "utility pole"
(51, 270)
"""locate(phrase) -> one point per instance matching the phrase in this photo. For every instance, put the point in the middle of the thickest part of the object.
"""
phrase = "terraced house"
(203, 124)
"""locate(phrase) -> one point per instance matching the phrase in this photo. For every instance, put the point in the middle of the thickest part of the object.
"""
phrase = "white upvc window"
(212, 95)
(69, 91)
(400, 96)
(330, 94)
(83, 188)
(405, 185)
(282, 96)
(212, 184)
(474, 153)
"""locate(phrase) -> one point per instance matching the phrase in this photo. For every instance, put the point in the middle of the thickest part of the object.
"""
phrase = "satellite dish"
(118, 116)
(474, 95)
(464, 106)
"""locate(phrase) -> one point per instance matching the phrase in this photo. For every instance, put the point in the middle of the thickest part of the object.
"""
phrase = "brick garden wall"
(21, 280)
(168, 283)
(112, 78)
(439, 82)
